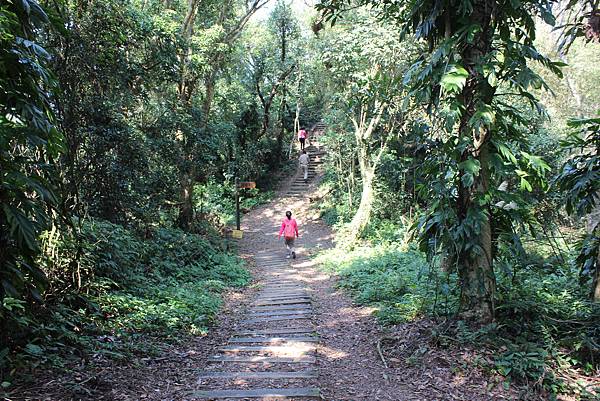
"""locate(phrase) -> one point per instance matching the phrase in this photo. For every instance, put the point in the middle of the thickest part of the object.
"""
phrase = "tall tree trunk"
(475, 267)
(362, 217)
(185, 89)
(210, 81)
(281, 132)
(367, 163)
(477, 279)
(186, 209)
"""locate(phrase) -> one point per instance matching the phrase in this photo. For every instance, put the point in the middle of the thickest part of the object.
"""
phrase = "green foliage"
(396, 281)
(580, 180)
(165, 286)
(219, 200)
(545, 326)
(580, 176)
(29, 143)
(471, 85)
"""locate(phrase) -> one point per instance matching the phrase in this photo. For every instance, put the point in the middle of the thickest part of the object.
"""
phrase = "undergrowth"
(135, 294)
(546, 334)
(218, 199)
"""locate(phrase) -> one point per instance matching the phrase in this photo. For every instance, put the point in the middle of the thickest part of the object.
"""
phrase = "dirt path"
(290, 335)
(299, 337)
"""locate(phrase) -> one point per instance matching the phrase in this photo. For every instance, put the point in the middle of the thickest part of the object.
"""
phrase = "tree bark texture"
(368, 159)
(475, 267)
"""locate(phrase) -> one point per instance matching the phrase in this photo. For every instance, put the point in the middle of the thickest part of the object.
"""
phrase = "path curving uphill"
(297, 338)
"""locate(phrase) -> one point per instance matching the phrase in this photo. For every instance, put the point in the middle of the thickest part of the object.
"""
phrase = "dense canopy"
(462, 175)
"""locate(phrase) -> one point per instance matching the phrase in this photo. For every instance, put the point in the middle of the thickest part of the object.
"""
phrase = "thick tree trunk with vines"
(477, 279)
(475, 267)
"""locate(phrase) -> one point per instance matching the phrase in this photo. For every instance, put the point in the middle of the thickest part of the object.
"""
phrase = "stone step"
(273, 340)
(302, 374)
(261, 359)
(263, 393)
(271, 332)
(267, 348)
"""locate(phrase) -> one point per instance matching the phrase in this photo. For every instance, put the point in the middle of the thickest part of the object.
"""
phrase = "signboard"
(247, 184)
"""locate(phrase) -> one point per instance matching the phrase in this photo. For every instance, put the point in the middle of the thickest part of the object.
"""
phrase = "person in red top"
(289, 229)
(302, 137)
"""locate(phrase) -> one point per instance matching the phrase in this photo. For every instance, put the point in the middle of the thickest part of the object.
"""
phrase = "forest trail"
(298, 338)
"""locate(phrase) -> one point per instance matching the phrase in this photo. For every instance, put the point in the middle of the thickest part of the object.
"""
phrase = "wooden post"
(237, 202)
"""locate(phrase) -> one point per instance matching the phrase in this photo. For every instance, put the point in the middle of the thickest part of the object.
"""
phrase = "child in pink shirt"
(289, 229)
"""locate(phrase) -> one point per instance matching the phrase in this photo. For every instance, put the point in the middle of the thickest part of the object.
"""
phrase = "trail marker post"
(240, 185)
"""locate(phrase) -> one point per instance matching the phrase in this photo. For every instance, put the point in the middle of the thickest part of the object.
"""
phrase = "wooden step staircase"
(316, 152)
(272, 355)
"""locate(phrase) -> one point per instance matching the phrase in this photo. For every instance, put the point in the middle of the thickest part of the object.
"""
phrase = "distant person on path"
(304, 159)
(302, 137)
(289, 229)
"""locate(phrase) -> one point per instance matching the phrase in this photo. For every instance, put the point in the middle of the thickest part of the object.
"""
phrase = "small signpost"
(247, 184)
(240, 185)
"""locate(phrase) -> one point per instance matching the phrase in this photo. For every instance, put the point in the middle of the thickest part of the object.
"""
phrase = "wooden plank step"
(288, 290)
(273, 340)
(262, 359)
(271, 332)
(286, 301)
(266, 308)
(275, 260)
(279, 308)
(302, 374)
(283, 289)
(285, 286)
(265, 348)
(283, 295)
(280, 313)
(304, 309)
(284, 298)
(288, 284)
(258, 393)
(277, 318)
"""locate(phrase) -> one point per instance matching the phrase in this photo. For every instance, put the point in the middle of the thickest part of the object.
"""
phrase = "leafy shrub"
(167, 285)
(394, 280)
(218, 199)
(546, 327)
